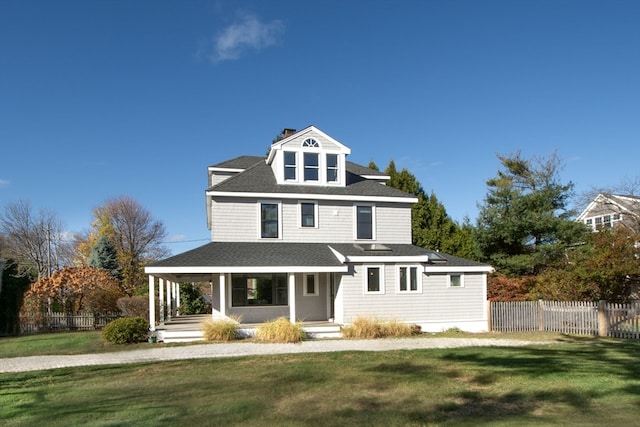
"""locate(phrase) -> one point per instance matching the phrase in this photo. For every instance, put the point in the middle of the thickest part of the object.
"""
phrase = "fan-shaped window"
(310, 142)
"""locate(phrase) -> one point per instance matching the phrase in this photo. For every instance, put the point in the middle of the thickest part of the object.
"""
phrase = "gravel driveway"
(204, 351)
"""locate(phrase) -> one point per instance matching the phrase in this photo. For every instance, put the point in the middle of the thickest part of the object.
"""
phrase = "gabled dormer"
(308, 157)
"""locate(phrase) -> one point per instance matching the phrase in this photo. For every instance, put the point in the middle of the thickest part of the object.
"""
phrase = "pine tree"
(104, 256)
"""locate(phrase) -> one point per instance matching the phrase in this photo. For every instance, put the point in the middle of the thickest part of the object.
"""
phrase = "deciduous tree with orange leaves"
(75, 289)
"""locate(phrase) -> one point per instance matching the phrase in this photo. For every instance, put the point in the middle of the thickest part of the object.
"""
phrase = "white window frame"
(418, 289)
(285, 166)
(315, 285)
(317, 168)
(315, 213)
(365, 271)
(373, 221)
(259, 208)
(327, 168)
(449, 285)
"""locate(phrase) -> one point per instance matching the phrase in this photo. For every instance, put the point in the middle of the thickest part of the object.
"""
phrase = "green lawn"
(578, 382)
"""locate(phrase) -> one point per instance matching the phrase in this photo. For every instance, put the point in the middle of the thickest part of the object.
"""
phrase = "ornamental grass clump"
(362, 327)
(126, 330)
(280, 330)
(365, 327)
(220, 330)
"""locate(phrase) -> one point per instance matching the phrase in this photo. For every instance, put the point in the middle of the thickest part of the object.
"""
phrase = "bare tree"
(135, 234)
(33, 242)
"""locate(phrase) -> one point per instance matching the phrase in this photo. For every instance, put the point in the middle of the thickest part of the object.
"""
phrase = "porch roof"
(287, 257)
(244, 257)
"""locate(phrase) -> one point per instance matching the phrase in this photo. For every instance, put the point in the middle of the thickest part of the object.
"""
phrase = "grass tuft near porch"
(280, 330)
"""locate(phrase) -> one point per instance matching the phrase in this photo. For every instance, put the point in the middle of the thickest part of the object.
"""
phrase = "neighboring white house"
(609, 210)
(308, 235)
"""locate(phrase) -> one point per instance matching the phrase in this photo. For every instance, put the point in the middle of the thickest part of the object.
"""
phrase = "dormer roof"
(298, 138)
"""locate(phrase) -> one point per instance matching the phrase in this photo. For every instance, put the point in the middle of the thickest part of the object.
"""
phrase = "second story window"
(307, 214)
(311, 166)
(290, 165)
(364, 222)
(332, 167)
(269, 220)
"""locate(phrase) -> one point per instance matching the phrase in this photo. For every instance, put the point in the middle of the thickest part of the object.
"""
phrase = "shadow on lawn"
(503, 383)
(590, 359)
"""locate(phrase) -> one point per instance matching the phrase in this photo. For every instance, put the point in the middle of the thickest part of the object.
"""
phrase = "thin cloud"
(248, 34)
(4, 183)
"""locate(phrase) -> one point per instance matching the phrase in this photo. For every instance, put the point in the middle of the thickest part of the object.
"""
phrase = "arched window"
(310, 142)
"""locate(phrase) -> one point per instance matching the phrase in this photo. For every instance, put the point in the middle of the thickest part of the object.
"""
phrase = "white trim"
(391, 258)
(450, 269)
(338, 255)
(245, 269)
(217, 169)
(365, 282)
(336, 197)
(269, 202)
(373, 221)
(315, 285)
(418, 279)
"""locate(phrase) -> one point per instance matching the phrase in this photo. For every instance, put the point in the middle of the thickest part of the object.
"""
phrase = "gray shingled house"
(305, 234)
(612, 210)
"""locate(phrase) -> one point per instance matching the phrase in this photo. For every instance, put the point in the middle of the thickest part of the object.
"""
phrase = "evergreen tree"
(104, 255)
(525, 224)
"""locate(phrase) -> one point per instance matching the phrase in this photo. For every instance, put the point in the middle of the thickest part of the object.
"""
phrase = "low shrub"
(220, 330)
(126, 330)
(364, 327)
(280, 330)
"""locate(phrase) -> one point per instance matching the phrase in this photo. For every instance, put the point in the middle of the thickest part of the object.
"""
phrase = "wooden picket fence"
(569, 317)
(32, 323)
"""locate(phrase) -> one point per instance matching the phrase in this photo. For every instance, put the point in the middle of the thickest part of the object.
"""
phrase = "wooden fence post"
(540, 315)
(603, 319)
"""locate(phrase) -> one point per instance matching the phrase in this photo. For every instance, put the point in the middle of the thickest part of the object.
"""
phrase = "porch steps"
(188, 330)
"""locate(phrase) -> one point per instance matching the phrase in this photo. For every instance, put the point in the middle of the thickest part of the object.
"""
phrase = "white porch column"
(161, 298)
(152, 303)
(177, 288)
(169, 305)
(223, 294)
(292, 297)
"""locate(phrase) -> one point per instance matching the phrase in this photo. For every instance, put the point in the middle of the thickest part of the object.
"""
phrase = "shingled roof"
(230, 256)
(259, 178)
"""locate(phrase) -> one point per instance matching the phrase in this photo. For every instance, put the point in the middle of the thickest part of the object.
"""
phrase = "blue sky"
(106, 98)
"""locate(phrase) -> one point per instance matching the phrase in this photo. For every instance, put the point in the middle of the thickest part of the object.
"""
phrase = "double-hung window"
(364, 222)
(311, 166)
(332, 168)
(269, 220)
(308, 214)
(408, 279)
(290, 165)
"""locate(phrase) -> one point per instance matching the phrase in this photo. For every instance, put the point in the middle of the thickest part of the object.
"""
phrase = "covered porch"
(250, 283)
(188, 328)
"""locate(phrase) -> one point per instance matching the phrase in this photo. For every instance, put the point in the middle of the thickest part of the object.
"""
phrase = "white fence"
(568, 317)
(32, 323)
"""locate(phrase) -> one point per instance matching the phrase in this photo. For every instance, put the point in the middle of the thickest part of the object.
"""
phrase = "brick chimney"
(287, 132)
